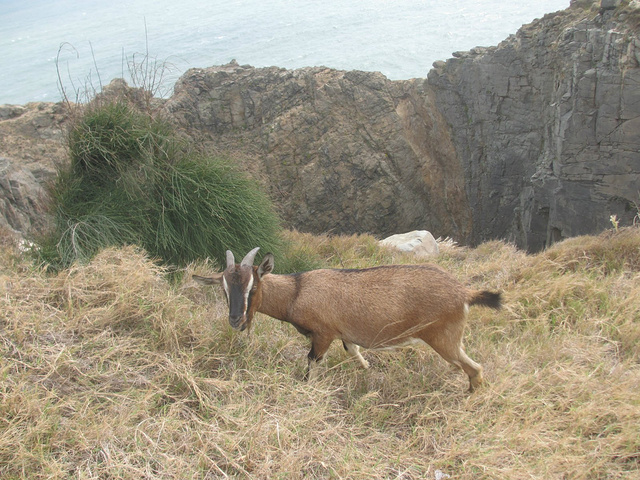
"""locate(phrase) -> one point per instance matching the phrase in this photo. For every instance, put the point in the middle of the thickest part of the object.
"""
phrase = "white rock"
(440, 475)
(420, 242)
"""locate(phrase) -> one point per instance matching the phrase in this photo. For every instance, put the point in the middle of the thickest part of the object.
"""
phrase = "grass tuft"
(132, 180)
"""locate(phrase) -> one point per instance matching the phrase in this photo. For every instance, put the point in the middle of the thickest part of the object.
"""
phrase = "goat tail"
(486, 298)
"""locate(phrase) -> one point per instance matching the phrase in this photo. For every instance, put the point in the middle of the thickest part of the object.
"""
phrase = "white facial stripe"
(247, 292)
(225, 286)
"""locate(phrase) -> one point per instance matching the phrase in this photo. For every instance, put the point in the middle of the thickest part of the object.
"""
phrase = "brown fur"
(381, 307)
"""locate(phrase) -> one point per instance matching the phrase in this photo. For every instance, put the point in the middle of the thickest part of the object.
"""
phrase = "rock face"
(532, 141)
(31, 143)
(547, 126)
(341, 152)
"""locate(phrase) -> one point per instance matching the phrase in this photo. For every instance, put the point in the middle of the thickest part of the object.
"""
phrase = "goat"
(376, 308)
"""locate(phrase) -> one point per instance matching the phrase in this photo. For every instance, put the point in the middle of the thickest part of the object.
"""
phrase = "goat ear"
(215, 280)
(266, 266)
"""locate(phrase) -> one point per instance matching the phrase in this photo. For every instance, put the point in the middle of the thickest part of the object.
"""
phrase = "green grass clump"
(111, 138)
(132, 180)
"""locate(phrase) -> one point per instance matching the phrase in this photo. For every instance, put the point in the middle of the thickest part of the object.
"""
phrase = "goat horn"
(230, 260)
(248, 260)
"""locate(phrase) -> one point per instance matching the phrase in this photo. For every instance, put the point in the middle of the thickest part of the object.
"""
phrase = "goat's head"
(242, 284)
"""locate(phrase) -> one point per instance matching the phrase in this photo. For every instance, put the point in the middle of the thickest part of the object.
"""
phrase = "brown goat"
(376, 308)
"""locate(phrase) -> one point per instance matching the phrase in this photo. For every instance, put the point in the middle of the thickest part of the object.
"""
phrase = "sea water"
(77, 45)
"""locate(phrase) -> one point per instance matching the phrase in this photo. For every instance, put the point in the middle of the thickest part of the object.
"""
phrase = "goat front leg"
(319, 346)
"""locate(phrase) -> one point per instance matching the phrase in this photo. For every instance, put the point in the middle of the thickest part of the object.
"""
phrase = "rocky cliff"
(533, 140)
(547, 125)
(341, 152)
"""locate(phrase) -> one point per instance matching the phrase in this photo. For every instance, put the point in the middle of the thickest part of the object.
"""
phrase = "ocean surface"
(83, 44)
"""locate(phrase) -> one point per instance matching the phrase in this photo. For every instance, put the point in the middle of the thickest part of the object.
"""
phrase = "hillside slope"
(109, 371)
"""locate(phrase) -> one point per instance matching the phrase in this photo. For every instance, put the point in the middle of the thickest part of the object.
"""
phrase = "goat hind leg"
(354, 351)
(472, 369)
(453, 352)
(461, 360)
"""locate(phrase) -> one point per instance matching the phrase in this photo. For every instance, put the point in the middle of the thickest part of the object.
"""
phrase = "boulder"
(609, 4)
(21, 206)
(419, 242)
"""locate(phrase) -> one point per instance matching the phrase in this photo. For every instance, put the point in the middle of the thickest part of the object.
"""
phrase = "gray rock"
(610, 4)
(11, 111)
(556, 152)
(20, 197)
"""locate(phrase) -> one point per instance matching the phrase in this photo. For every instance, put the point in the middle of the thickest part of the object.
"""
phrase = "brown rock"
(340, 152)
(31, 144)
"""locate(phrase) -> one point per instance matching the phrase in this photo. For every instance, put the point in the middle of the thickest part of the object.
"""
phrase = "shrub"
(131, 180)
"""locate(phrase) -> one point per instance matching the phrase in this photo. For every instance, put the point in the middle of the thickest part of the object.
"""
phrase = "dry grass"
(108, 371)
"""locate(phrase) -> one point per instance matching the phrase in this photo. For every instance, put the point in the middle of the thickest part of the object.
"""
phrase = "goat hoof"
(475, 382)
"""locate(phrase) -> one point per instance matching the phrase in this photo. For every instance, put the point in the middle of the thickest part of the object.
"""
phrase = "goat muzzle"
(238, 323)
